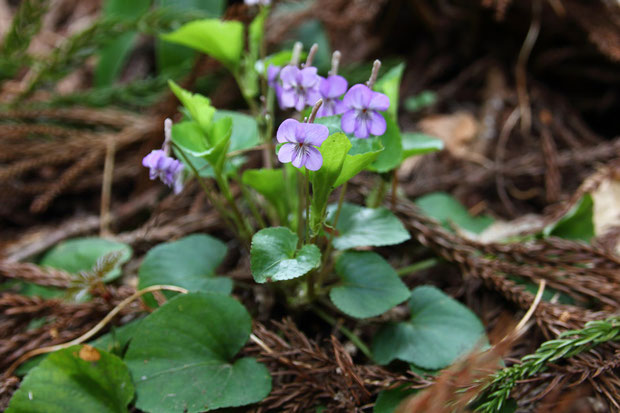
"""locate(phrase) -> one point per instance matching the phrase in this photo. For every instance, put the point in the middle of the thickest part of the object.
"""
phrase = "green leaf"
(118, 339)
(577, 224)
(440, 330)
(244, 130)
(171, 56)
(189, 263)
(219, 134)
(420, 101)
(198, 106)
(334, 151)
(271, 184)
(66, 383)
(361, 227)
(212, 145)
(333, 126)
(419, 144)
(222, 40)
(354, 164)
(182, 357)
(114, 342)
(369, 286)
(114, 55)
(392, 154)
(274, 255)
(389, 84)
(388, 400)
(190, 137)
(448, 211)
(81, 254)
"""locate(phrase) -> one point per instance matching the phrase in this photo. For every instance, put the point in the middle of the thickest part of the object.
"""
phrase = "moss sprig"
(568, 344)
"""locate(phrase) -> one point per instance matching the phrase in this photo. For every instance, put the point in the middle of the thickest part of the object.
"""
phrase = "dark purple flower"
(169, 170)
(300, 87)
(362, 115)
(299, 141)
(331, 89)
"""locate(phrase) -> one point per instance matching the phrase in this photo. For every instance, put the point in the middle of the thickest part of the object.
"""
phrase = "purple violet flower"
(272, 75)
(161, 165)
(362, 115)
(300, 140)
(331, 89)
(300, 87)
(169, 170)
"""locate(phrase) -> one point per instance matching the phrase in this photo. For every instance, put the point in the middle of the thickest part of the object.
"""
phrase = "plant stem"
(418, 266)
(244, 227)
(300, 209)
(348, 333)
(90, 333)
(328, 249)
(208, 191)
(307, 202)
(251, 201)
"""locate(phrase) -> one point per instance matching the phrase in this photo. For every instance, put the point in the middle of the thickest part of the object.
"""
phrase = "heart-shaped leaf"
(81, 254)
(181, 357)
(75, 380)
(361, 227)
(244, 129)
(189, 262)
(274, 255)
(419, 144)
(222, 40)
(369, 287)
(449, 211)
(440, 330)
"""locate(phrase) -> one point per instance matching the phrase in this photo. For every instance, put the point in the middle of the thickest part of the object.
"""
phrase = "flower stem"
(418, 266)
(251, 201)
(300, 209)
(244, 227)
(348, 333)
(208, 191)
(307, 201)
(330, 245)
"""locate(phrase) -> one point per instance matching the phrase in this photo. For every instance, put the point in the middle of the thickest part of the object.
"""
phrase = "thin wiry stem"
(90, 333)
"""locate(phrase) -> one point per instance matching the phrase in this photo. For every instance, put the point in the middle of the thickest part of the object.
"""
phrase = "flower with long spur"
(362, 115)
(300, 87)
(363, 105)
(331, 89)
(164, 167)
(301, 141)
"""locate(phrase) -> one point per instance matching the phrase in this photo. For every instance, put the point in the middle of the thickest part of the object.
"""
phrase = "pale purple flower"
(331, 89)
(161, 165)
(300, 87)
(272, 75)
(362, 115)
(255, 2)
(300, 140)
